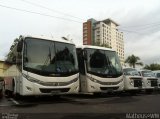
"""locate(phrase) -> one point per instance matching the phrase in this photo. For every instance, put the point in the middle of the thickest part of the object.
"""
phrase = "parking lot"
(81, 105)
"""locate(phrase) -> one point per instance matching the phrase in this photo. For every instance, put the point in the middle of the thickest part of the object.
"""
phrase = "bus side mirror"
(20, 46)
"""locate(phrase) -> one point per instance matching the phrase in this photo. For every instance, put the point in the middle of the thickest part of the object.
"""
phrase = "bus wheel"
(17, 96)
(1, 93)
(8, 93)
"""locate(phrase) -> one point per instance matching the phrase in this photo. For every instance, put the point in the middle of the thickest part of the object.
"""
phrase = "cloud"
(147, 48)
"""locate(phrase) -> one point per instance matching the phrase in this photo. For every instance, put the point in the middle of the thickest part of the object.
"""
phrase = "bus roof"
(61, 39)
(94, 47)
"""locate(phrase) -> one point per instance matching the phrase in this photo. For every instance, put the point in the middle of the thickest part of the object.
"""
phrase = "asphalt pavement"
(80, 106)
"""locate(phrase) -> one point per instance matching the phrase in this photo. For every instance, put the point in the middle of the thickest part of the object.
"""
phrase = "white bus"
(150, 82)
(100, 70)
(42, 67)
(132, 80)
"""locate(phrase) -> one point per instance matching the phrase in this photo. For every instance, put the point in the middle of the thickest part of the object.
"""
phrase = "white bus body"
(157, 75)
(132, 80)
(42, 67)
(100, 70)
(149, 80)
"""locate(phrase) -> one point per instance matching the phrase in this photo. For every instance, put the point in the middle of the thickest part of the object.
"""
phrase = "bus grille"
(154, 83)
(137, 83)
(108, 88)
(50, 90)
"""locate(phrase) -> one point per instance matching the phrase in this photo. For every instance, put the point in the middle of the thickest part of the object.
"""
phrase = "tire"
(1, 93)
(17, 96)
(8, 93)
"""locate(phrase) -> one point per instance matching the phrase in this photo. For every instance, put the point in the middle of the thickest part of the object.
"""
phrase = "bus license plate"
(55, 92)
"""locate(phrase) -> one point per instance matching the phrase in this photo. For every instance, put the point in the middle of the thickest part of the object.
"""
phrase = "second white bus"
(100, 70)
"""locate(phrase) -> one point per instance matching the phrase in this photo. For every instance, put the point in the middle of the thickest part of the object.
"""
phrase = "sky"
(139, 21)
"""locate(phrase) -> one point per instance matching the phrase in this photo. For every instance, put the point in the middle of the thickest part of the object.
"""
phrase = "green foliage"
(133, 61)
(153, 66)
(15, 42)
(10, 54)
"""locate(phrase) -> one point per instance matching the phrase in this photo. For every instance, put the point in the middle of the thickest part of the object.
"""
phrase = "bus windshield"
(103, 63)
(49, 58)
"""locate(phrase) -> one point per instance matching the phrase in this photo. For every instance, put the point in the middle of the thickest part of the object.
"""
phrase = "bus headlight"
(92, 79)
(148, 82)
(31, 79)
(74, 80)
(131, 82)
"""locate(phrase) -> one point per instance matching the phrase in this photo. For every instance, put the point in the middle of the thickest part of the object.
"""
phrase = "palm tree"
(133, 60)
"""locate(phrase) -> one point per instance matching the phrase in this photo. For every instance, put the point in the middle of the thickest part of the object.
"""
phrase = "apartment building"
(104, 32)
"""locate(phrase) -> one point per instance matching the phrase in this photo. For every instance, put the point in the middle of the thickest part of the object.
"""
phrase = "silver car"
(150, 82)
(132, 80)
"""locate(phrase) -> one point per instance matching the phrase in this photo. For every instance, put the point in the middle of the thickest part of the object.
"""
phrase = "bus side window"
(80, 61)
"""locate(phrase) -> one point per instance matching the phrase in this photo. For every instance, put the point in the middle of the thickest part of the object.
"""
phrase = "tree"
(133, 60)
(14, 43)
(10, 54)
(153, 66)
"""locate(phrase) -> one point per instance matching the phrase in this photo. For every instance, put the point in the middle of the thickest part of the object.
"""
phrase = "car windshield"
(148, 74)
(49, 58)
(103, 63)
(131, 71)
